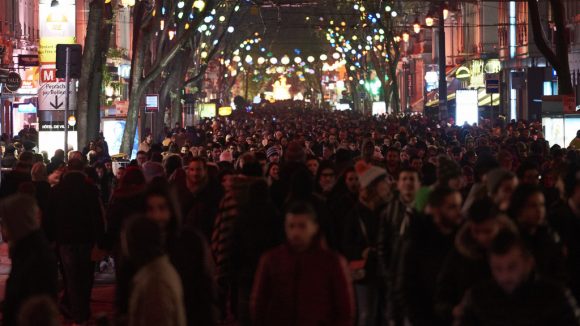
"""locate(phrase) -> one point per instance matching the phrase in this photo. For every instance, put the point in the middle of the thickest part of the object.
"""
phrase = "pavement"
(103, 291)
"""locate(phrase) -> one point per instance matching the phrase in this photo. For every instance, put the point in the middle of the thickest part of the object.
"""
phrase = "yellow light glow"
(281, 90)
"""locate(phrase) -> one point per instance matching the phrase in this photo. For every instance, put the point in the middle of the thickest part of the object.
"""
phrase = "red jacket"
(302, 289)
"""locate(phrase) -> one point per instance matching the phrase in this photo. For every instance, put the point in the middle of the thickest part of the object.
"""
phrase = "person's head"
(500, 186)
(273, 171)
(142, 240)
(39, 310)
(216, 152)
(351, 181)
(148, 139)
(312, 164)
(408, 184)
(368, 149)
(510, 261)
(528, 207)
(374, 188)
(326, 176)
(444, 204)
(131, 177)
(19, 215)
(416, 163)
(273, 154)
(483, 222)
(529, 173)
(196, 171)
(393, 157)
(572, 186)
(59, 154)
(75, 165)
(38, 172)
(142, 157)
(301, 225)
(161, 207)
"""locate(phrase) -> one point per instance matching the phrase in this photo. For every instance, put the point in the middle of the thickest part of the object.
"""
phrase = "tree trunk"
(90, 54)
(94, 108)
(559, 58)
(141, 40)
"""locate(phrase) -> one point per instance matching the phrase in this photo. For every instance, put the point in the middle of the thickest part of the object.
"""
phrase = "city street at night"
(289, 162)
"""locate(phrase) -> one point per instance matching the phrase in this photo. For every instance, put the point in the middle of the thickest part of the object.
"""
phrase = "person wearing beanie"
(360, 242)
(273, 154)
(500, 185)
(34, 266)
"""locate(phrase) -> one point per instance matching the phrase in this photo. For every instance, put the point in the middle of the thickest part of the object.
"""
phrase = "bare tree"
(557, 57)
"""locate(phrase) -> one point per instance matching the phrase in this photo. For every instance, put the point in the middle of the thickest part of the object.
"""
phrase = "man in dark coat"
(516, 296)
(75, 218)
(430, 240)
(301, 283)
(199, 197)
(34, 267)
(466, 265)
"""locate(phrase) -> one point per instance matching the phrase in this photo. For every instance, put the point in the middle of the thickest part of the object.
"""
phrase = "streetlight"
(429, 19)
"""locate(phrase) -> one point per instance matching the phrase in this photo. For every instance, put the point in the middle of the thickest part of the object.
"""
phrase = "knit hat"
(18, 215)
(367, 173)
(495, 178)
(274, 150)
(226, 156)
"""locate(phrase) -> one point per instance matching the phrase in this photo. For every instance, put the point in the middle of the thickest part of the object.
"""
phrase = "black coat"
(34, 272)
(567, 224)
(199, 210)
(536, 303)
(547, 248)
(422, 255)
(75, 213)
(190, 255)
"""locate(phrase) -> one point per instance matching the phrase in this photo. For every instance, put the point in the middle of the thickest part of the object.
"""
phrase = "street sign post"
(152, 103)
(13, 82)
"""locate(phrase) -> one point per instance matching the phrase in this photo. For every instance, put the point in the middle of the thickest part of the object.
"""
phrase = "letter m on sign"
(47, 75)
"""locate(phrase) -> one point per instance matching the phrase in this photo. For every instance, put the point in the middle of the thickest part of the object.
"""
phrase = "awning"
(483, 99)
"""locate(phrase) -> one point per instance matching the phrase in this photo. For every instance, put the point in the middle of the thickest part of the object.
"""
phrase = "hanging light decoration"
(429, 19)
(310, 59)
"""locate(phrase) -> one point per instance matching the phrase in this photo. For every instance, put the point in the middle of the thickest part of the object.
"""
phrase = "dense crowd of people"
(302, 217)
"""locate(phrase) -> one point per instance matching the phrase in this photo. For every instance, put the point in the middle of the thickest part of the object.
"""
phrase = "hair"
(141, 153)
(505, 241)
(527, 166)
(133, 177)
(519, 198)
(160, 188)
(269, 168)
(39, 310)
(38, 172)
(144, 240)
(171, 163)
(324, 165)
(393, 149)
(76, 164)
(482, 210)
(438, 196)
(199, 159)
(302, 208)
(407, 169)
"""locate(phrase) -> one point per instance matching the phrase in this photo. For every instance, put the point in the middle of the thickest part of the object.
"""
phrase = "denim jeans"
(78, 273)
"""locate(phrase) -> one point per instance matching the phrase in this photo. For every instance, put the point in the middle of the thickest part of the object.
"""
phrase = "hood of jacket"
(468, 247)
